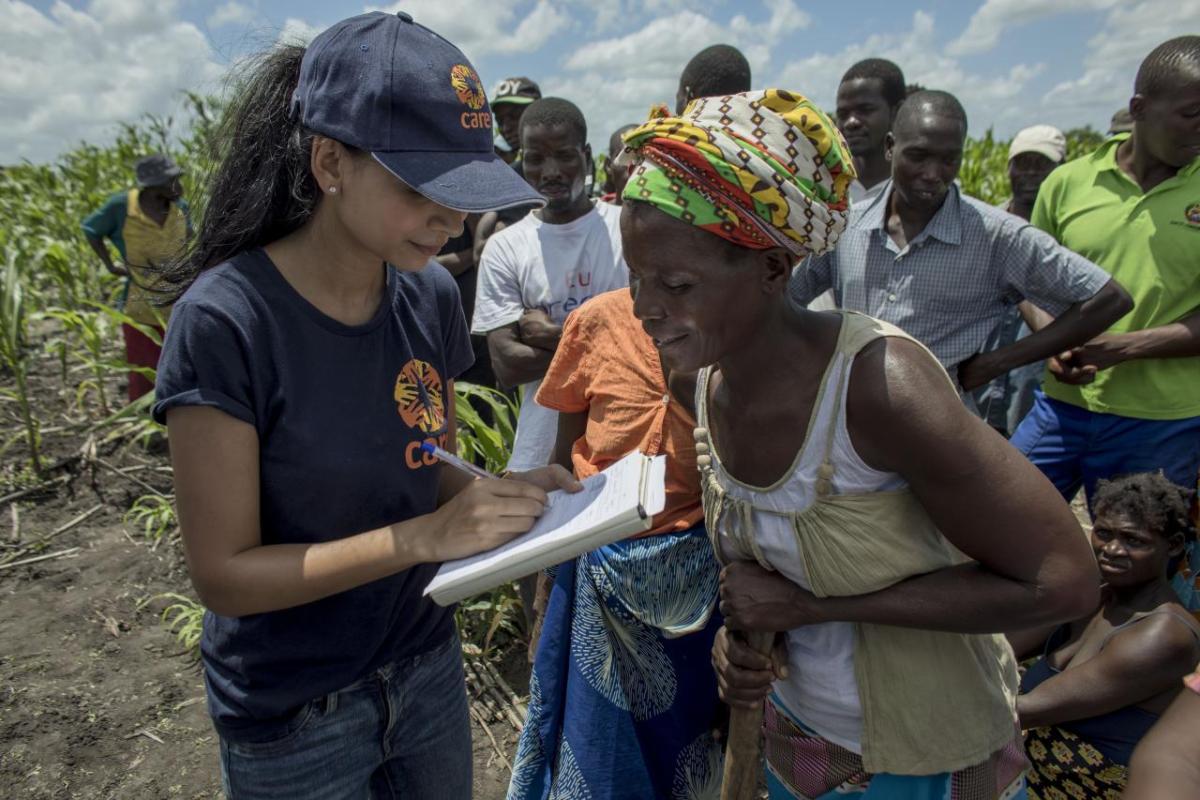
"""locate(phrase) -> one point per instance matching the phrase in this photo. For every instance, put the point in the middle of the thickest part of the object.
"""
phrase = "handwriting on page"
(605, 497)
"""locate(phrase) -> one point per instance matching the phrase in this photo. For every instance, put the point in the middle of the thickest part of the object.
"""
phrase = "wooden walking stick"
(743, 748)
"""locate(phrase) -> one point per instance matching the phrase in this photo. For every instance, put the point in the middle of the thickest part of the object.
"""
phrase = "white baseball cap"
(1044, 139)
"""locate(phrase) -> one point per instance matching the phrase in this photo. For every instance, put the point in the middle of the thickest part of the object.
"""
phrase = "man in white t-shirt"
(535, 272)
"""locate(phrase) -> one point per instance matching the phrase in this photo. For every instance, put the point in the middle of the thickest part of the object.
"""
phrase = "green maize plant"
(155, 514)
(481, 618)
(13, 354)
(185, 619)
(94, 332)
(149, 331)
(498, 613)
(132, 423)
(477, 439)
(984, 170)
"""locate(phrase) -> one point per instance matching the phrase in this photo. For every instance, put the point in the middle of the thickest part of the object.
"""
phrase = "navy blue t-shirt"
(341, 412)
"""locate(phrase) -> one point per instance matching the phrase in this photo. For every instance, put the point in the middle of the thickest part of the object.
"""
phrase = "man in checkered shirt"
(944, 267)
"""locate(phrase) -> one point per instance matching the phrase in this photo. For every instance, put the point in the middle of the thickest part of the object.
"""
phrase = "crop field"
(100, 691)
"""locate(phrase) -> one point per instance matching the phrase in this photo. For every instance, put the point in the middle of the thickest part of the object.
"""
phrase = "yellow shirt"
(148, 246)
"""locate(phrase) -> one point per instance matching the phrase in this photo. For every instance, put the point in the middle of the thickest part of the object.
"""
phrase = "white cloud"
(535, 29)
(491, 26)
(610, 15)
(662, 46)
(785, 18)
(1130, 32)
(298, 31)
(231, 13)
(615, 80)
(988, 99)
(991, 20)
(70, 75)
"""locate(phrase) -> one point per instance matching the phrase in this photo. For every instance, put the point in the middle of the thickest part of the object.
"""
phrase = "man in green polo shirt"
(1129, 400)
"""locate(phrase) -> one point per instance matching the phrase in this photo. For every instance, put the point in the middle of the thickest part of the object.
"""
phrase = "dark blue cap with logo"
(385, 84)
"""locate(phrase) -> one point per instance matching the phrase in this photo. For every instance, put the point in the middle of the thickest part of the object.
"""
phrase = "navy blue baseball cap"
(385, 84)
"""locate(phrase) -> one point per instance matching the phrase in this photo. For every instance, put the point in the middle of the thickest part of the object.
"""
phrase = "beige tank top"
(932, 701)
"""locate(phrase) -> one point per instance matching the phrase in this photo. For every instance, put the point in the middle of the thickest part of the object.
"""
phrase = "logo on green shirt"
(1192, 214)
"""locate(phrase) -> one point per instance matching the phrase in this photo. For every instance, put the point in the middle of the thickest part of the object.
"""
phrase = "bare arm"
(905, 418)
(1034, 317)
(1030, 642)
(101, 250)
(1136, 665)
(1076, 325)
(216, 463)
(515, 361)
(537, 330)
(488, 224)
(1166, 762)
(570, 428)
(459, 262)
(1032, 564)
(1175, 340)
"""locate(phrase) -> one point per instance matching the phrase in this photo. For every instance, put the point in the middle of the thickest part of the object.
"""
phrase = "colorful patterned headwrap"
(762, 169)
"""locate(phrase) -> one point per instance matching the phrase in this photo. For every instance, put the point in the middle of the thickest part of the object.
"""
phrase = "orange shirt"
(607, 366)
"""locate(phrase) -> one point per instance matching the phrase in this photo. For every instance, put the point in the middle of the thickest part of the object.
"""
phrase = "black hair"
(555, 111)
(261, 187)
(1150, 500)
(913, 88)
(885, 72)
(1160, 71)
(717, 70)
(933, 100)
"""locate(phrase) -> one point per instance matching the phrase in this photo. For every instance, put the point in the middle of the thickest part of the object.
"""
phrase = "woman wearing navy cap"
(311, 355)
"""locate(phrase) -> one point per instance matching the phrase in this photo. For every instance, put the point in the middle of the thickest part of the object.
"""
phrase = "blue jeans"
(401, 732)
(1075, 447)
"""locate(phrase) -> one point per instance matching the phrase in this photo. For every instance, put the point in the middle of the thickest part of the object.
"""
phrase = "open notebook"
(612, 505)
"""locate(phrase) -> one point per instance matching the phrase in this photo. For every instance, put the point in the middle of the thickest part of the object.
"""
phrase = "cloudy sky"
(69, 71)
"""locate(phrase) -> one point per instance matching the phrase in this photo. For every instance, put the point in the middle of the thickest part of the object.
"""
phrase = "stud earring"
(333, 190)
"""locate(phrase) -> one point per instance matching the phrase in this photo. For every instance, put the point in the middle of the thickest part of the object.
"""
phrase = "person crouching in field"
(862, 511)
(149, 226)
(1102, 681)
(312, 354)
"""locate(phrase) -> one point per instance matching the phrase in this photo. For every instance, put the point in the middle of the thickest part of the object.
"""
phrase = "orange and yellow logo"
(426, 413)
(468, 87)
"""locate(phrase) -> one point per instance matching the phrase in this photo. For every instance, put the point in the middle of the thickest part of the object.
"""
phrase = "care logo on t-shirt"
(421, 403)
(1192, 215)
(421, 410)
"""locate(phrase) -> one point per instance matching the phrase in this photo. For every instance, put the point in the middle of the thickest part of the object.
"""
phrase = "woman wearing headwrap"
(883, 532)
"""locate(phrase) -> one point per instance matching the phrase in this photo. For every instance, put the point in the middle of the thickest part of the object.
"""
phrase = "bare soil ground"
(97, 697)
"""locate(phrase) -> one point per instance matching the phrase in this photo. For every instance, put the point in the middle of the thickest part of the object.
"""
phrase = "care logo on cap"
(468, 87)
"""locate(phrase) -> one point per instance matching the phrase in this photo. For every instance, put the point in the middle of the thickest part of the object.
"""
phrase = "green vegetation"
(984, 172)
(155, 514)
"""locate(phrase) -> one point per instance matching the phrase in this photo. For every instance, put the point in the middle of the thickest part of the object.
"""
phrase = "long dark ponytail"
(261, 187)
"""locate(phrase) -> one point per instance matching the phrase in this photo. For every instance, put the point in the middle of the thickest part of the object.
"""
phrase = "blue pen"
(455, 461)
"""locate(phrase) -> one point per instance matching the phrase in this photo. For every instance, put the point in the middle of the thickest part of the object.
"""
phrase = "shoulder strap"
(858, 331)
(702, 396)
(1185, 621)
